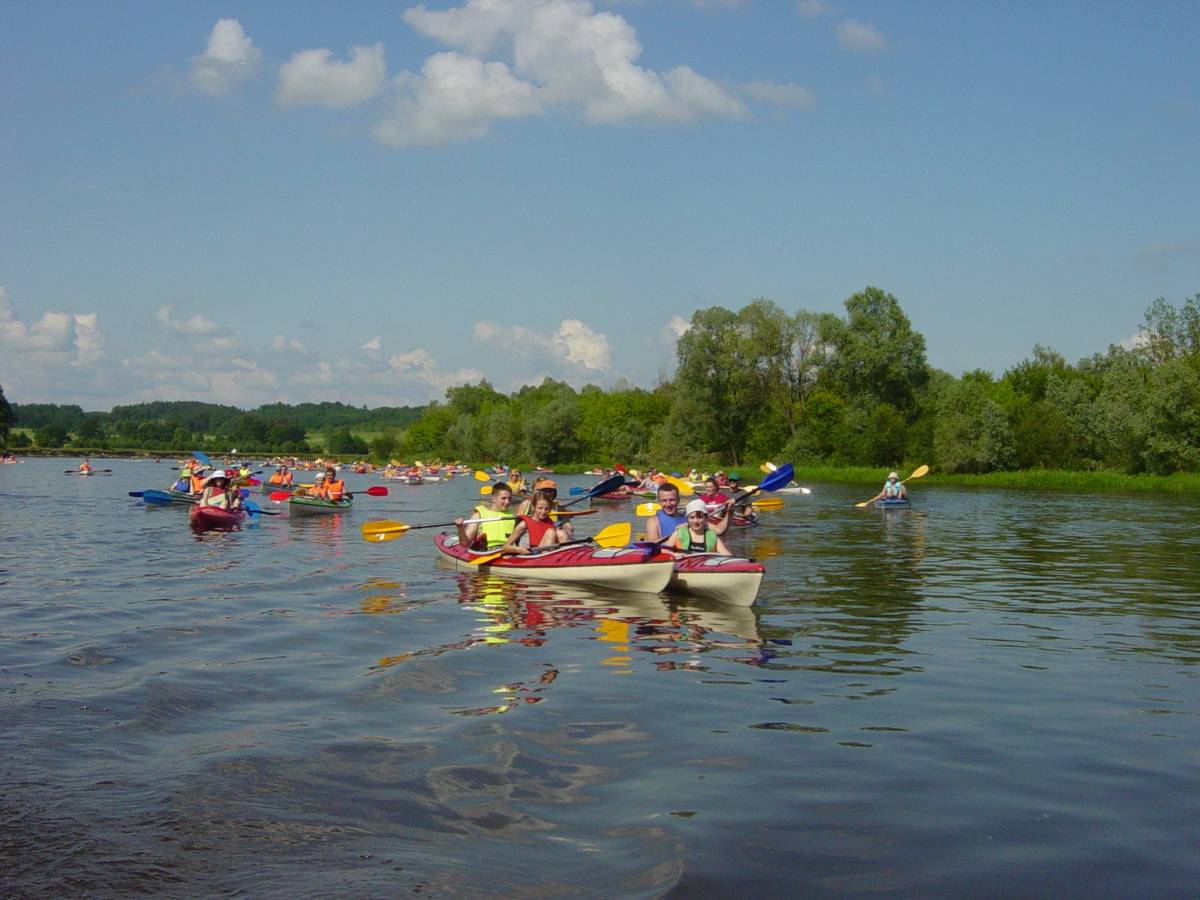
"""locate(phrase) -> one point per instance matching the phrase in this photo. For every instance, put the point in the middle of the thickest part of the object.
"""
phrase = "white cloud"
(676, 328)
(455, 98)
(860, 36)
(231, 58)
(195, 326)
(564, 56)
(421, 365)
(582, 345)
(1137, 341)
(55, 338)
(813, 9)
(789, 96)
(572, 344)
(373, 345)
(314, 78)
(283, 344)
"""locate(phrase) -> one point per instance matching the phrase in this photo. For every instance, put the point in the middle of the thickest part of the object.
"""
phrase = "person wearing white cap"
(694, 536)
(217, 492)
(894, 488)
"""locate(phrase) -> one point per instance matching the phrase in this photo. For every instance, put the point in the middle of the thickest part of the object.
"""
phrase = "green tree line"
(753, 384)
(817, 388)
(184, 425)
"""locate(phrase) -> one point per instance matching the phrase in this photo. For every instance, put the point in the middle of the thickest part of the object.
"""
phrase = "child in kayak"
(332, 488)
(548, 488)
(695, 536)
(217, 492)
(893, 488)
(539, 527)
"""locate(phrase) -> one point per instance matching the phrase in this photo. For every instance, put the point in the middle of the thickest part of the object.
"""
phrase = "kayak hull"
(615, 496)
(729, 579)
(621, 568)
(893, 503)
(268, 488)
(314, 506)
(212, 518)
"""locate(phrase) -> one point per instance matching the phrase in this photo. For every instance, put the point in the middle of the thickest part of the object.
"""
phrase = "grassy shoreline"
(1024, 479)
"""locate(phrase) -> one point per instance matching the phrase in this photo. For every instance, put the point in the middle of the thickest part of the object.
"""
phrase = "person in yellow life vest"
(216, 491)
(490, 535)
(333, 488)
(281, 476)
(244, 470)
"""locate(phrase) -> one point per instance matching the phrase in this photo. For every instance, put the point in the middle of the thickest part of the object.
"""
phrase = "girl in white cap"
(894, 488)
(695, 536)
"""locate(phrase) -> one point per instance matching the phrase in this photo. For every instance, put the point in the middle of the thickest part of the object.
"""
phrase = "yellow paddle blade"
(768, 503)
(615, 535)
(384, 530)
(685, 487)
(482, 476)
(646, 509)
(485, 490)
(920, 472)
(765, 468)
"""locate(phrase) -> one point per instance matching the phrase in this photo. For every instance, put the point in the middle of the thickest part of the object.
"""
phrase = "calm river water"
(992, 694)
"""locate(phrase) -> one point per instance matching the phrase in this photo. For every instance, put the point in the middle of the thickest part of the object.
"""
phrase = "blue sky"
(259, 201)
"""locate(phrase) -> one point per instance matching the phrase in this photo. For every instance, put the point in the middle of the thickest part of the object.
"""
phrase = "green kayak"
(314, 506)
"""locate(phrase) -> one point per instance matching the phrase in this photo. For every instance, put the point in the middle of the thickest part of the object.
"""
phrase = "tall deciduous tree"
(6, 416)
(877, 354)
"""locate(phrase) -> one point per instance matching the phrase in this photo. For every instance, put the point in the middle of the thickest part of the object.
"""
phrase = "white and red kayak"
(618, 568)
(730, 579)
(208, 518)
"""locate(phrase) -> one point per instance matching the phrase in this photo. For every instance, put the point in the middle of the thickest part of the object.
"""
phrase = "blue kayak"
(893, 503)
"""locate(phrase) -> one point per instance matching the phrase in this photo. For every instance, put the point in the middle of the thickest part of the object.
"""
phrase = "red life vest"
(537, 530)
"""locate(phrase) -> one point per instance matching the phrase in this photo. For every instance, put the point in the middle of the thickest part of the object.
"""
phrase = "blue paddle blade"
(203, 457)
(777, 479)
(251, 507)
(578, 490)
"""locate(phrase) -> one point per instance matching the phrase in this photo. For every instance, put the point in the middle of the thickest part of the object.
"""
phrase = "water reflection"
(668, 634)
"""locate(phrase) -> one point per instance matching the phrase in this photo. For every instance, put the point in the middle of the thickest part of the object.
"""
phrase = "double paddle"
(386, 530)
(376, 490)
(920, 472)
(615, 535)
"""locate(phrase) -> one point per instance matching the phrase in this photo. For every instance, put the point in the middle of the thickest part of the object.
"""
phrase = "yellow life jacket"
(496, 532)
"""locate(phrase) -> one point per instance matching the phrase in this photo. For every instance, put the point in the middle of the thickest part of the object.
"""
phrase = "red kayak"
(619, 568)
(730, 579)
(210, 518)
(613, 495)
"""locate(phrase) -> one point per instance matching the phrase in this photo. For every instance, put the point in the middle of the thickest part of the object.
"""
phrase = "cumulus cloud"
(676, 328)
(196, 326)
(57, 337)
(814, 9)
(455, 98)
(564, 56)
(419, 363)
(572, 344)
(1137, 341)
(860, 36)
(374, 345)
(230, 58)
(284, 344)
(314, 78)
(785, 96)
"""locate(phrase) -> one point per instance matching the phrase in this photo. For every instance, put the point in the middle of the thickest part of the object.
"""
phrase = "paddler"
(281, 476)
(488, 535)
(668, 517)
(548, 488)
(196, 479)
(539, 527)
(216, 491)
(696, 536)
(743, 510)
(85, 467)
(893, 488)
(333, 488)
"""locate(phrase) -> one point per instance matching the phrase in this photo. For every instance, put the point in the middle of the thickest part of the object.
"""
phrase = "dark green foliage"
(6, 417)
